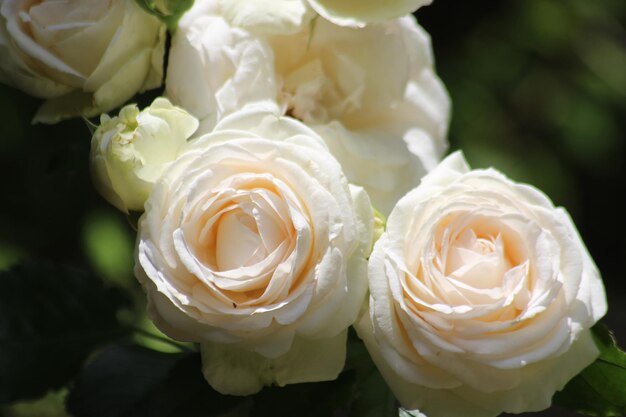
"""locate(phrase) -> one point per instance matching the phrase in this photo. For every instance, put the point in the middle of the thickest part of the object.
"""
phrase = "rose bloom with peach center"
(482, 296)
(254, 245)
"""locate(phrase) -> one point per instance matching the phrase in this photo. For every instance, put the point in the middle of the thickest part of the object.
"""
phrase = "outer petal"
(539, 381)
(376, 160)
(116, 90)
(267, 16)
(71, 49)
(264, 120)
(354, 295)
(234, 371)
(215, 69)
(14, 71)
(39, 57)
(425, 110)
(591, 294)
(534, 394)
(413, 396)
(361, 12)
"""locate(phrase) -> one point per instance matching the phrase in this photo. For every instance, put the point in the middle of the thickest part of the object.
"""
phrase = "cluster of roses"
(258, 240)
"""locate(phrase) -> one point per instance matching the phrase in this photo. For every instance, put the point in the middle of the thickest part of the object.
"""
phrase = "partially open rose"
(84, 56)
(482, 296)
(253, 244)
(386, 124)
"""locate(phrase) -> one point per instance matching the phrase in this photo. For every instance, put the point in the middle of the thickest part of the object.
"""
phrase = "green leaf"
(109, 246)
(329, 398)
(51, 319)
(52, 405)
(133, 381)
(372, 398)
(600, 389)
(9, 255)
(168, 11)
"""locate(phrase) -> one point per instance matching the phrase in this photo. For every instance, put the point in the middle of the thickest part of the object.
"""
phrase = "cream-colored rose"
(269, 16)
(129, 152)
(254, 245)
(216, 69)
(276, 16)
(371, 93)
(482, 296)
(361, 12)
(84, 56)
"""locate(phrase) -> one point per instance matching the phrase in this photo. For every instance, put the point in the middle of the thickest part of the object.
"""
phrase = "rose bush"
(83, 56)
(129, 152)
(254, 245)
(482, 296)
(386, 124)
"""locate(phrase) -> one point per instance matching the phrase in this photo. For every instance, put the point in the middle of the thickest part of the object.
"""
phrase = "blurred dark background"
(538, 90)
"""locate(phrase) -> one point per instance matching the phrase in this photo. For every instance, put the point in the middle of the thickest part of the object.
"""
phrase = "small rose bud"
(129, 152)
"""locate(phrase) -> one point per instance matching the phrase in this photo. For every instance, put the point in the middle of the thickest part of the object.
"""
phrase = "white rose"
(215, 69)
(129, 152)
(371, 93)
(482, 294)
(84, 56)
(269, 16)
(362, 12)
(277, 16)
(253, 244)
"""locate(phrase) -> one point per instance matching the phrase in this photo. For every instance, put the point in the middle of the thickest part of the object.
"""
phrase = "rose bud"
(129, 152)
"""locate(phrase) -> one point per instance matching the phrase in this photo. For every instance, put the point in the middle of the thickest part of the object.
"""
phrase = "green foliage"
(538, 90)
(52, 405)
(372, 396)
(306, 400)
(9, 255)
(51, 319)
(168, 11)
(149, 336)
(109, 245)
(134, 381)
(600, 389)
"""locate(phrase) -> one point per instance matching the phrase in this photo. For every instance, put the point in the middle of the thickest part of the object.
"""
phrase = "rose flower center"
(238, 241)
(477, 261)
(470, 260)
(244, 236)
